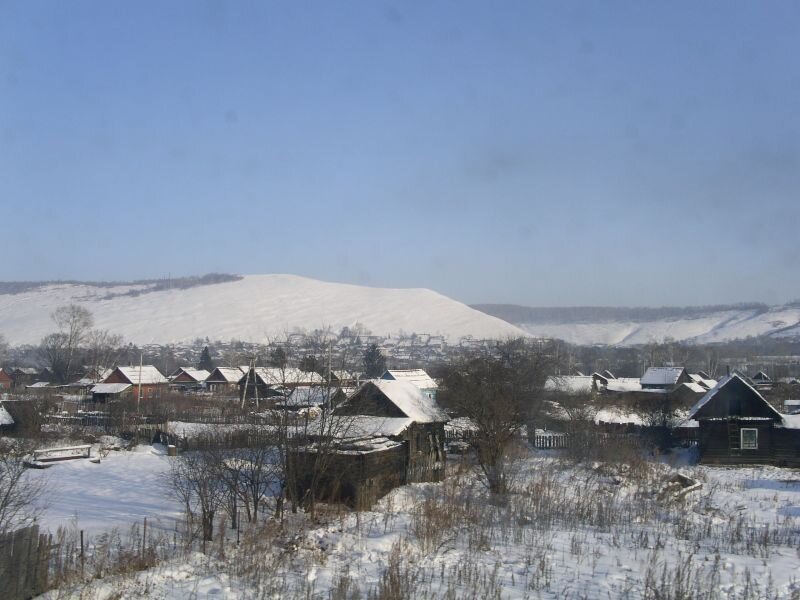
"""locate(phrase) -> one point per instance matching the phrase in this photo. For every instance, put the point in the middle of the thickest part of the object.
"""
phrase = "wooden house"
(266, 382)
(6, 381)
(23, 376)
(187, 378)
(738, 426)
(761, 377)
(225, 379)
(664, 378)
(147, 380)
(388, 433)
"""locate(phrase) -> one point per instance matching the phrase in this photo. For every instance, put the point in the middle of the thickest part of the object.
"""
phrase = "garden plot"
(121, 490)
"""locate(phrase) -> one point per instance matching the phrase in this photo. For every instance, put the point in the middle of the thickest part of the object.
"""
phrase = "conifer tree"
(205, 360)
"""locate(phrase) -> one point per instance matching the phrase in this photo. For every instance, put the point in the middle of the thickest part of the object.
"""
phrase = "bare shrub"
(18, 492)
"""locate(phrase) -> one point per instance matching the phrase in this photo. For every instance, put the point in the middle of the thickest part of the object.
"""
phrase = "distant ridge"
(618, 326)
(515, 313)
(153, 285)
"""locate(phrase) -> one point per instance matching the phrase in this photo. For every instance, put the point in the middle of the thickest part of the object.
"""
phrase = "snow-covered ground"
(121, 490)
(249, 309)
(571, 531)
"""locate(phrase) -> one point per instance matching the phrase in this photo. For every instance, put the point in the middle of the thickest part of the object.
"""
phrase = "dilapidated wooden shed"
(386, 434)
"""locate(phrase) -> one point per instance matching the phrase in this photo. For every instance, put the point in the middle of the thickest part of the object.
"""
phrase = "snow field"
(585, 531)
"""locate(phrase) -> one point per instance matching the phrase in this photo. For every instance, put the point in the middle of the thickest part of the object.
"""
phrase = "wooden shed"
(388, 433)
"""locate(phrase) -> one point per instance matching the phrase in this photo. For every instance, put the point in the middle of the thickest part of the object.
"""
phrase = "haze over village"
(399, 301)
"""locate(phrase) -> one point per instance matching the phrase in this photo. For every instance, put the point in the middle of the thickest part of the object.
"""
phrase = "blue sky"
(542, 153)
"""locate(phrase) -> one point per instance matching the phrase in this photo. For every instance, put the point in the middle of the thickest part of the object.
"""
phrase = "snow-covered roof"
(365, 426)
(149, 375)
(570, 384)
(461, 424)
(624, 384)
(5, 417)
(305, 396)
(661, 375)
(791, 421)
(695, 387)
(342, 374)
(39, 384)
(617, 415)
(703, 381)
(110, 388)
(287, 375)
(227, 374)
(26, 370)
(196, 374)
(709, 395)
(411, 400)
(417, 377)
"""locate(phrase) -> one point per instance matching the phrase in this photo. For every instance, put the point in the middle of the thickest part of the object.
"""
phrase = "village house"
(188, 378)
(388, 433)
(147, 379)
(664, 378)
(23, 376)
(416, 377)
(738, 426)
(225, 380)
(266, 382)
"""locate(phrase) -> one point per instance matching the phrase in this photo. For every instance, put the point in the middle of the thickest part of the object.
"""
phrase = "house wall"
(719, 442)
(5, 381)
(357, 480)
(184, 378)
(148, 390)
(426, 453)
(786, 447)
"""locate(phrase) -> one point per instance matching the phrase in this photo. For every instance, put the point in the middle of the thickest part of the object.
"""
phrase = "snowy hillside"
(248, 309)
(716, 324)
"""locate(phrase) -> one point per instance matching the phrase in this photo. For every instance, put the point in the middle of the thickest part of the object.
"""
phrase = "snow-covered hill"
(249, 309)
(697, 325)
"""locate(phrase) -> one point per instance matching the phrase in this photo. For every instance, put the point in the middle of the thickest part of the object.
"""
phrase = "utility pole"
(139, 395)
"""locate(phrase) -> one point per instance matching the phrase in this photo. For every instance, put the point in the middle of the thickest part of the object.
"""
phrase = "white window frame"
(741, 438)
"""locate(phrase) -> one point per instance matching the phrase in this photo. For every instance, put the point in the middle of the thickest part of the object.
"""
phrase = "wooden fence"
(24, 563)
(550, 440)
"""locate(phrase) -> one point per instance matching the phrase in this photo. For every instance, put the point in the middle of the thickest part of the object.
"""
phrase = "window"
(749, 439)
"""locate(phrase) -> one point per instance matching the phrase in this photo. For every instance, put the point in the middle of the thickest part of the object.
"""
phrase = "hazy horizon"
(545, 155)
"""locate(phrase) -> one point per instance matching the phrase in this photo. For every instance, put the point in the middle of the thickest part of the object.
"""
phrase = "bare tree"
(3, 348)
(196, 480)
(18, 491)
(61, 350)
(103, 350)
(500, 393)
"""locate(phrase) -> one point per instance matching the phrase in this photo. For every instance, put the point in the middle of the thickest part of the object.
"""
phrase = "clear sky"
(541, 153)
